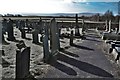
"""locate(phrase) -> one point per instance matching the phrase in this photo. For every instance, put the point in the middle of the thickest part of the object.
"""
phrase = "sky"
(57, 6)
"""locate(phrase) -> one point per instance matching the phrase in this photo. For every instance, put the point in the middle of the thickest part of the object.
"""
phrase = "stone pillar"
(22, 62)
(109, 26)
(77, 33)
(10, 31)
(54, 37)
(106, 25)
(71, 38)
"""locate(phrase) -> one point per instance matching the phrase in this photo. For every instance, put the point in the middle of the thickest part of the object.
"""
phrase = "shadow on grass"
(63, 68)
(89, 68)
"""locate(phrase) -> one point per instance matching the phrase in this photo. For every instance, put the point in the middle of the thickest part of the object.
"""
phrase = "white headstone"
(109, 26)
(106, 25)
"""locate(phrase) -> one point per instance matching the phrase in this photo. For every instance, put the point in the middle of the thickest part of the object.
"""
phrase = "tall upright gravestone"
(35, 34)
(109, 26)
(71, 38)
(22, 61)
(106, 25)
(45, 44)
(10, 31)
(1, 33)
(119, 27)
(83, 26)
(54, 37)
(77, 33)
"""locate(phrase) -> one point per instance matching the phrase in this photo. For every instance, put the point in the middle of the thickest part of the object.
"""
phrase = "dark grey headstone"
(22, 63)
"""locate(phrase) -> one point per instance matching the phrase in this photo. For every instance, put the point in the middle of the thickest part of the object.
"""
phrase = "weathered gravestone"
(71, 38)
(1, 33)
(46, 45)
(106, 25)
(83, 26)
(119, 27)
(109, 26)
(22, 61)
(40, 26)
(27, 25)
(10, 31)
(35, 36)
(21, 28)
(54, 37)
(77, 33)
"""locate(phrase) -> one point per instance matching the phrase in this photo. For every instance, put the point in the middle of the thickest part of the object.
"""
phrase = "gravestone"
(45, 44)
(27, 25)
(40, 26)
(106, 24)
(2, 40)
(22, 61)
(59, 32)
(21, 28)
(71, 38)
(109, 26)
(54, 37)
(77, 33)
(10, 31)
(35, 36)
(83, 26)
(119, 27)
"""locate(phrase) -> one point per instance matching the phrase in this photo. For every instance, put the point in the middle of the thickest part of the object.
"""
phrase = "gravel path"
(85, 59)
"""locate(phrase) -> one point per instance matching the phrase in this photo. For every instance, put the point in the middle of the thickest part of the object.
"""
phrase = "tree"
(108, 15)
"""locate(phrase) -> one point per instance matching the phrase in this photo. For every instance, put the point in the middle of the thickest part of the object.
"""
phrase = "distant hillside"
(59, 14)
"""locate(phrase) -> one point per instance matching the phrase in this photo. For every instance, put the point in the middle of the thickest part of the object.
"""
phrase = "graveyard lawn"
(37, 67)
(84, 59)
